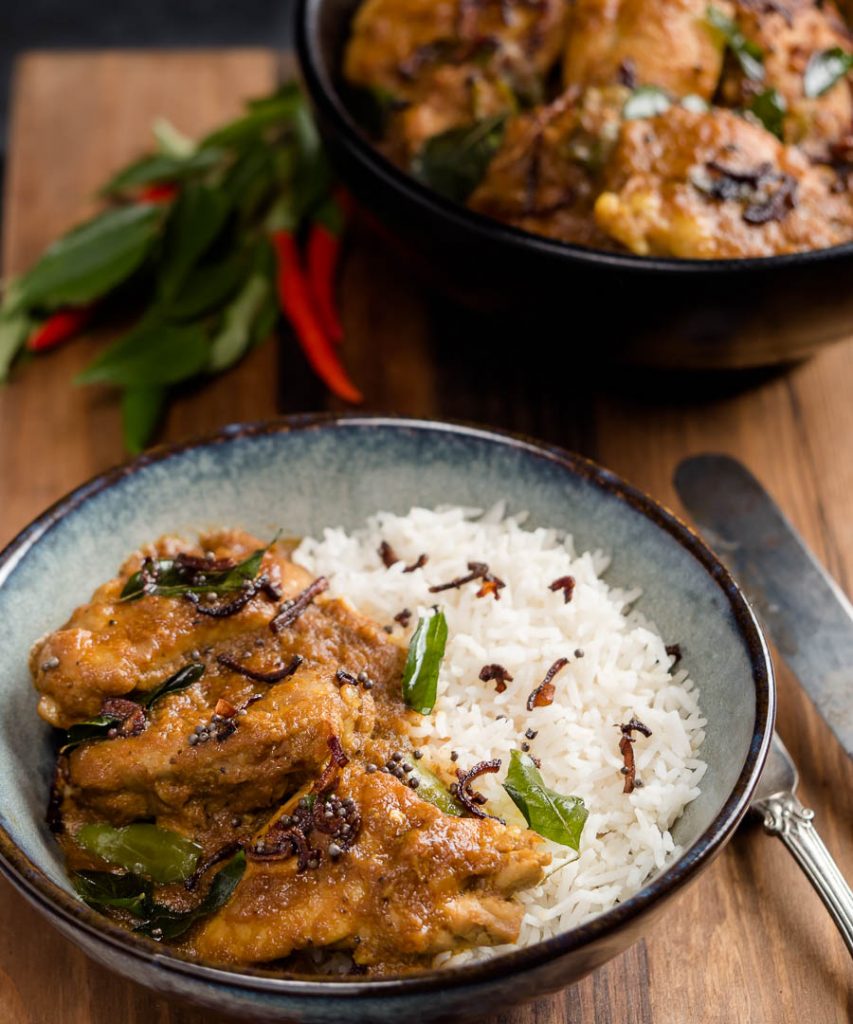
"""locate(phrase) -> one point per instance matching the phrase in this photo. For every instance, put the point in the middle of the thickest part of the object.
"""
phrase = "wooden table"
(750, 943)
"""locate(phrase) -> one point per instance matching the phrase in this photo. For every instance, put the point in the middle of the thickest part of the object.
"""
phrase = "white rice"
(624, 670)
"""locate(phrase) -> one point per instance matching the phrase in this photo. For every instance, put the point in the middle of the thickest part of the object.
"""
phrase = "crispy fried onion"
(276, 676)
(469, 798)
(490, 584)
(292, 609)
(320, 811)
(626, 749)
(130, 716)
(543, 695)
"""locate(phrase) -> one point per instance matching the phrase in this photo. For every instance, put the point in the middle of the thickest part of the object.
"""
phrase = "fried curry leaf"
(426, 649)
(181, 679)
(121, 891)
(824, 69)
(91, 259)
(172, 580)
(94, 728)
(453, 163)
(167, 924)
(143, 849)
(647, 101)
(770, 109)
(97, 728)
(432, 789)
(557, 817)
(748, 54)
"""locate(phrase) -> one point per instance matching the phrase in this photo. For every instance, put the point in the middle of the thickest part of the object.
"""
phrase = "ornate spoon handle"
(786, 817)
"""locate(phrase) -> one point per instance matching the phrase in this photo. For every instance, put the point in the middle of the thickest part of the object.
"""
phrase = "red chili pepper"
(295, 298)
(324, 249)
(59, 327)
(160, 192)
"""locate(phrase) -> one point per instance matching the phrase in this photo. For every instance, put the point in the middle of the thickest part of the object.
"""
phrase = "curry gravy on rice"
(672, 128)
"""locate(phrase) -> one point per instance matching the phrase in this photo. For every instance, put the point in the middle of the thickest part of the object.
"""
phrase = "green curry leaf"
(646, 101)
(167, 924)
(824, 69)
(92, 259)
(152, 354)
(426, 649)
(454, 162)
(748, 54)
(557, 817)
(143, 849)
(120, 891)
(770, 108)
(432, 789)
(173, 581)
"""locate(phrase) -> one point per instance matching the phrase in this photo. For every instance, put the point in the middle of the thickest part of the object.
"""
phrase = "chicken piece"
(713, 185)
(109, 647)
(282, 738)
(544, 176)
(789, 33)
(447, 96)
(393, 40)
(667, 43)
(415, 882)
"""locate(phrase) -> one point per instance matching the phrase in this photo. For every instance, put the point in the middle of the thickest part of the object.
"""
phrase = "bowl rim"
(56, 903)
(327, 99)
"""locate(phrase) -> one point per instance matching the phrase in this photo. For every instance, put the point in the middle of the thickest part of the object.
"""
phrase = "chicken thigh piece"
(414, 882)
(441, 65)
(667, 43)
(249, 761)
(713, 185)
(394, 40)
(111, 647)
(789, 33)
(544, 177)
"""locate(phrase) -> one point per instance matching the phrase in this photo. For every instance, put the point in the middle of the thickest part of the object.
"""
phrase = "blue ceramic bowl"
(305, 473)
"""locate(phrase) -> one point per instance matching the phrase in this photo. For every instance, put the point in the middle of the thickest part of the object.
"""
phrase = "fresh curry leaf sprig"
(206, 239)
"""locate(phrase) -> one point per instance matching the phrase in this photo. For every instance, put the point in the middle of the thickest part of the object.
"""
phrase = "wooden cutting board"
(749, 943)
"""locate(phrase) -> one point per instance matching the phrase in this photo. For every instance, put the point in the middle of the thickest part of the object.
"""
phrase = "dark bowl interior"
(681, 314)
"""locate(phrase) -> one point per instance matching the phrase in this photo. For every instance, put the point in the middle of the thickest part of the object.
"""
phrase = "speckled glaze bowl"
(305, 473)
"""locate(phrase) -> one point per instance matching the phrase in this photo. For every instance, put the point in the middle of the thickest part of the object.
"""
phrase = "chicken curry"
(667, 128)
(235, 776)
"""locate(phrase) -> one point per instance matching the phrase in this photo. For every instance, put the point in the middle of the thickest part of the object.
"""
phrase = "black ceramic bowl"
(300, 475)
(681, 314)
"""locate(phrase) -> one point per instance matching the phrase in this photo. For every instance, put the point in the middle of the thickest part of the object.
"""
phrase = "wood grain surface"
(749, 943)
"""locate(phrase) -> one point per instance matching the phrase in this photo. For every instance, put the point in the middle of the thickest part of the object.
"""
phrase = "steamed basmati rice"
(618, 667)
